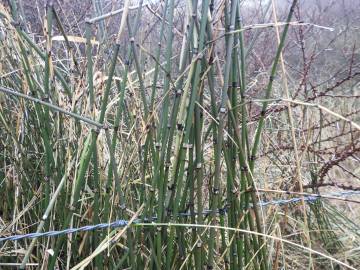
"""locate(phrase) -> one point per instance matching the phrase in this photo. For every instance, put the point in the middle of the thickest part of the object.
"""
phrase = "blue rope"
(122, 223)
(309, 198)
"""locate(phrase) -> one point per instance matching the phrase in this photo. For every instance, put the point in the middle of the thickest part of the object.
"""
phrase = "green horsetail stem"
(220, 134)
(86, 154)
(183, 133)
(269, 86)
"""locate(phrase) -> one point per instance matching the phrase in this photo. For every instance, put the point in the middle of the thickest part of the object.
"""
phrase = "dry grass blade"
(111, 238)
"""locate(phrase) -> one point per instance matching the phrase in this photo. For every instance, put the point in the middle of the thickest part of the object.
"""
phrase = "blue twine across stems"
(122, 223)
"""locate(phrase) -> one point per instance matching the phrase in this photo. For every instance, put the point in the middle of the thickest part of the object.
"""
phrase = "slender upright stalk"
(219, 138)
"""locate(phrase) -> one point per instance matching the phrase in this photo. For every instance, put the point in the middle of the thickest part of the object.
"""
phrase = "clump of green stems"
(174, 139)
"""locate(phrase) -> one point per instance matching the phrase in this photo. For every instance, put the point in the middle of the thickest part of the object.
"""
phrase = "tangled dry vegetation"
(136, 109)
